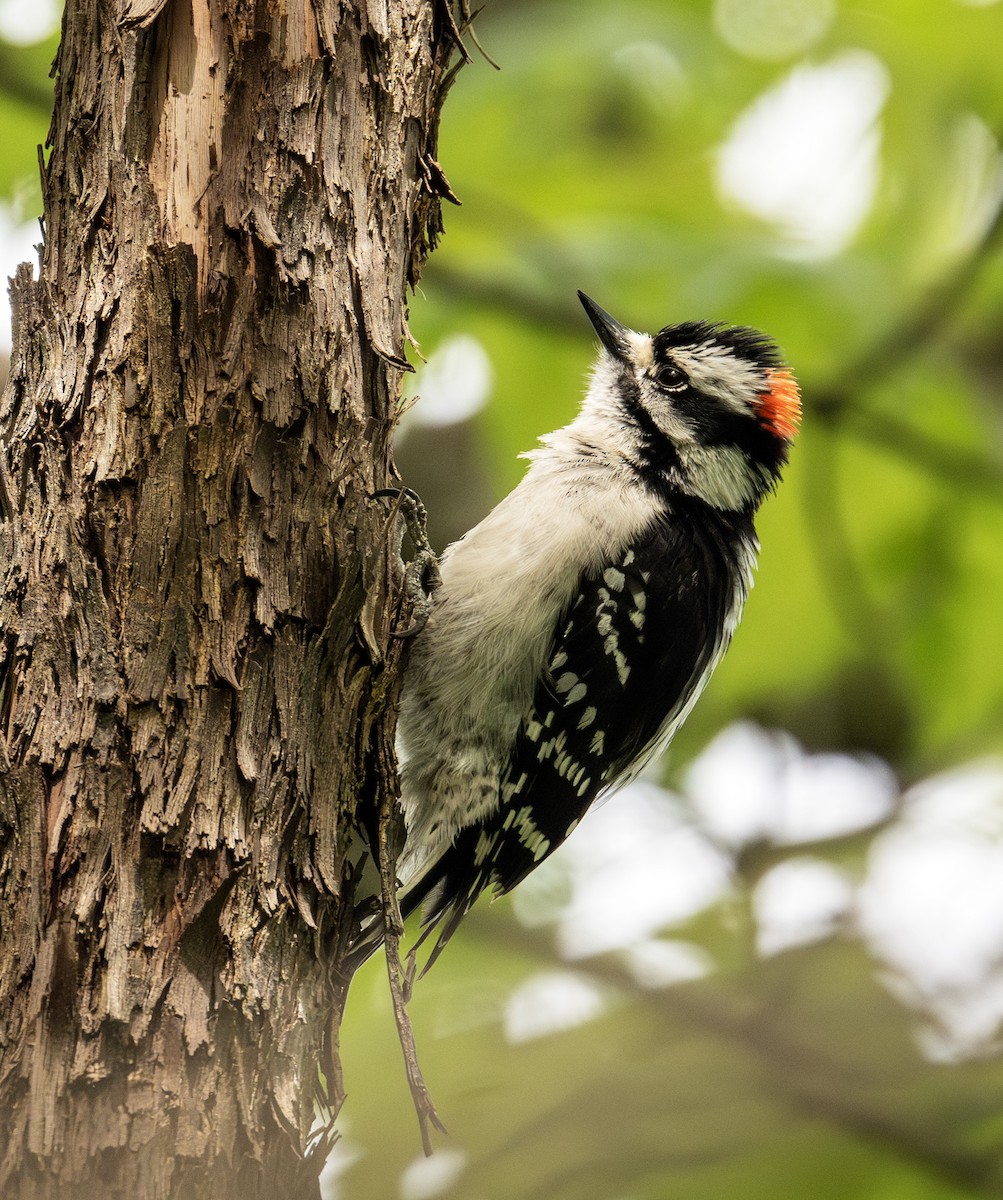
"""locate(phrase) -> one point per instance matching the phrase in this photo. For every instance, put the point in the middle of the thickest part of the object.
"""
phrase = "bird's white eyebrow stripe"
(721, 373)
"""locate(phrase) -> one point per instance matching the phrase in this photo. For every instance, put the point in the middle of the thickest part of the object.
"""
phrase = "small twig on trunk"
(400, 981)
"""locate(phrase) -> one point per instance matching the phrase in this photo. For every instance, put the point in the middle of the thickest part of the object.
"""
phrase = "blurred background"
(774, 965)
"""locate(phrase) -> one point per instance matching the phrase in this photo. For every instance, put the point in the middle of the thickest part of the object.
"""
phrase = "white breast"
(473, 670)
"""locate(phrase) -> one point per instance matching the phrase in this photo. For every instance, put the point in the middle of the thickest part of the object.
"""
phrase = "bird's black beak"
(612, 334)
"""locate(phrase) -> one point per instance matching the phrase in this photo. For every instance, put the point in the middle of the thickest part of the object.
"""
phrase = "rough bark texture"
(195, 591)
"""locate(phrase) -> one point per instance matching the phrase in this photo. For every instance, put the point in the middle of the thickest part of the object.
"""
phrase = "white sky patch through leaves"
(805, 156)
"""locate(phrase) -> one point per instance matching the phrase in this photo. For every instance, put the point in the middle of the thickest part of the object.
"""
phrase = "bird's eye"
(670, 377)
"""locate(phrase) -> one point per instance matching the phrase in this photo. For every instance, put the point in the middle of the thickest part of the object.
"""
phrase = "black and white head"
(707, 409)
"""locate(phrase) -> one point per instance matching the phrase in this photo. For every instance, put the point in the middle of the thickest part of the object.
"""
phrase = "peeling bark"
(196, 676)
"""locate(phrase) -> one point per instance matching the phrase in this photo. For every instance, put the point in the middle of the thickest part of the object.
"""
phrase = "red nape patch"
(780, 407)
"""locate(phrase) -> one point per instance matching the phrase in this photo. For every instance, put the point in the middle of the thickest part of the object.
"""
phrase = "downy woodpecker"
(576, 625)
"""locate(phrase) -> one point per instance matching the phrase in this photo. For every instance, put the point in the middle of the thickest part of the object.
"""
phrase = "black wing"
(641, 635)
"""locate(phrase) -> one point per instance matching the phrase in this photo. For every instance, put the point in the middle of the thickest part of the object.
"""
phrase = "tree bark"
(196, 676)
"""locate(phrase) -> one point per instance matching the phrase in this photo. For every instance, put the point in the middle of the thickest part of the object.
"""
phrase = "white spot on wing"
(612, 647)
(485, 844)
(614, 578)
(529, 835)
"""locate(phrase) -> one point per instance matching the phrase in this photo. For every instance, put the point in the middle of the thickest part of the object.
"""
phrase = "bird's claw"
(421, 573)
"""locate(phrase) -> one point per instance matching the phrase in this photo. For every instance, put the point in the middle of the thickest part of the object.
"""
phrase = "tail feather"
(443, 908)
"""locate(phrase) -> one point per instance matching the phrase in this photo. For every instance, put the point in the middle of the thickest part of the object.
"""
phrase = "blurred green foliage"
(876, 624)
(793, 1077)
(25, 103)
(591, 160)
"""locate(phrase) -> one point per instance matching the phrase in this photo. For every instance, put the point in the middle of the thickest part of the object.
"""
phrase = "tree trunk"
(196, 679)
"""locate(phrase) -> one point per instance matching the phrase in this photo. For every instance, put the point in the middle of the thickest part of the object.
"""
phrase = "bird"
(572, 630)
